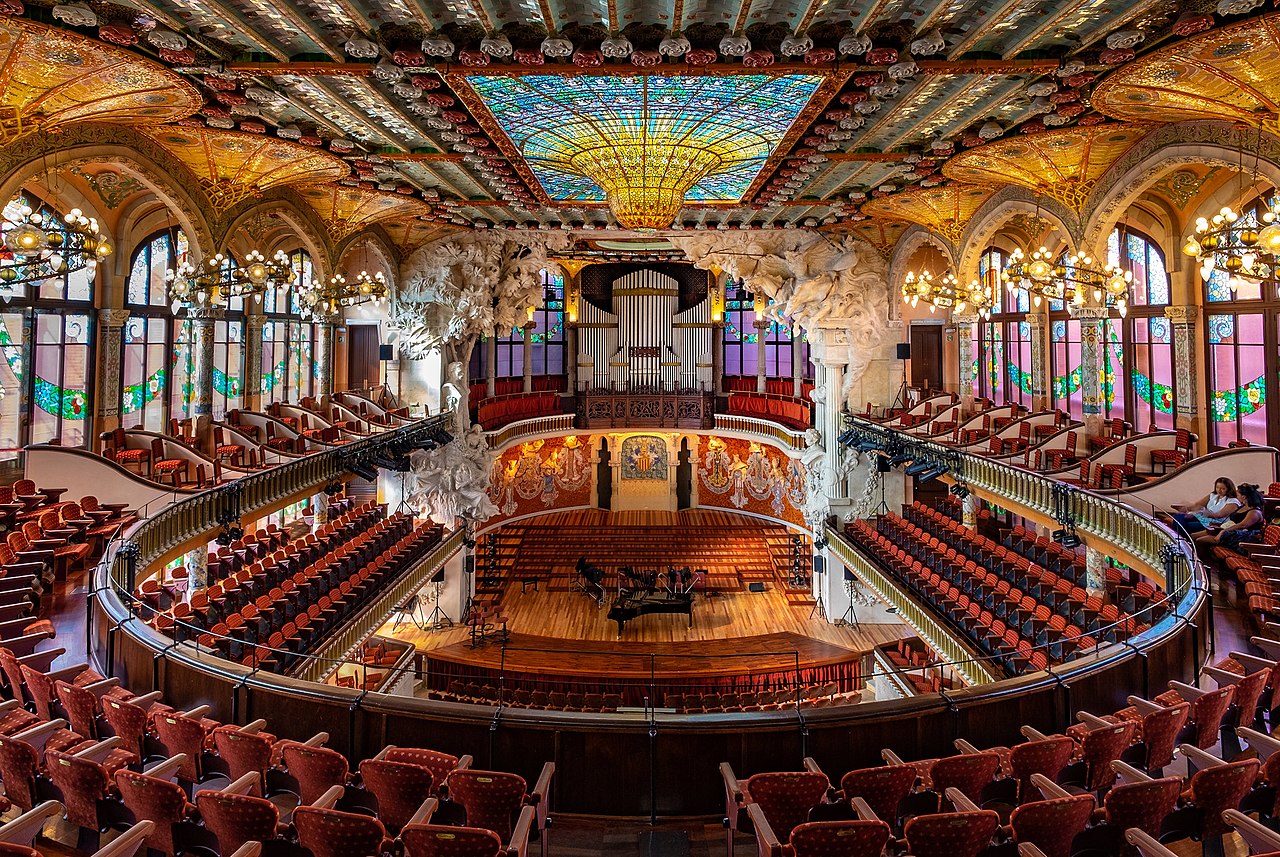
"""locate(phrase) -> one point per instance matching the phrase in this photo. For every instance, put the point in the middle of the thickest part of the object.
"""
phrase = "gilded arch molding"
(1007, 205)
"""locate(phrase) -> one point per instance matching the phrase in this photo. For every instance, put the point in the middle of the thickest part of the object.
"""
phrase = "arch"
(996, 213)
(915, 238)
(162, 176)
(1166, 149)
(295, 229)
(374, 246)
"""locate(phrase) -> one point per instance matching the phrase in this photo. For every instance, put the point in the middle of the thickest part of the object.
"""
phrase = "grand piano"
(632, 605)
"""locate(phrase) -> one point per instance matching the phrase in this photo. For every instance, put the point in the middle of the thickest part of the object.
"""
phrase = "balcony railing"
(188, 519)
(1107, 520)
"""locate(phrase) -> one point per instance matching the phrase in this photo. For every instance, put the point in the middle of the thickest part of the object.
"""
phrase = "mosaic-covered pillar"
(797, 365)
(253, 362)
(1039, 366)
(202, 324)
(319, 510)
(197, 563)
(1091, 344)
(1095, 572)
(969, 511)
(111, 322)
(964, 341)
(762, 335)
(1185, 383)
(324, 357)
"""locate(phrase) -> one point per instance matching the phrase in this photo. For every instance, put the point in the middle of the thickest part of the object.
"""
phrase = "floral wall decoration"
(750, 477)
(542, 474)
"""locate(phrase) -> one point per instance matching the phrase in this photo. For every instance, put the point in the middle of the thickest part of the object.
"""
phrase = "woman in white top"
(1208, 511)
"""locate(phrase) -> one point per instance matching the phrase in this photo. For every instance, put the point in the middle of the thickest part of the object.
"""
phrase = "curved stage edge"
(624, 765)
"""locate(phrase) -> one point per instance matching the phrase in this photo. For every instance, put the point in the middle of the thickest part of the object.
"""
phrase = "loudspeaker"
(438, 577)
(755, 587)
(848, 575)
(904, 350)
(384, 352)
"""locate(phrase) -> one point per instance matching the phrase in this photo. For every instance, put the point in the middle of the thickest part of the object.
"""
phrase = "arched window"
(1140, 346)
(46, 336)
(547, 348)
(288, 342)
(741, 355)
(782, 339)
(1241, 324)
(1002, 344)
(547, 353)
(155, 370)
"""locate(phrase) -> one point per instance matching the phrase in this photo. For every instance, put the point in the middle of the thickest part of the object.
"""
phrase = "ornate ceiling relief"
(817, 281)
(944, 210)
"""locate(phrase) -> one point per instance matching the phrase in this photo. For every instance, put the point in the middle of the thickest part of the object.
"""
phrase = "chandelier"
(218, 279)
(947, 293)
(1078, 279)
(646, 179)
(35, 245)
(320, 300)
(1245, 247)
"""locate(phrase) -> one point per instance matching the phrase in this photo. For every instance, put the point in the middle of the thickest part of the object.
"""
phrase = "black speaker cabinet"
(904, 350)
(384, 352)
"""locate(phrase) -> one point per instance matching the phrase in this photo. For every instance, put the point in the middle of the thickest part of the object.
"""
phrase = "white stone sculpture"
(452, 481)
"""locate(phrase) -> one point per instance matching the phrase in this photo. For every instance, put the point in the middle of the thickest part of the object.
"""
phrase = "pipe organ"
(644, 344)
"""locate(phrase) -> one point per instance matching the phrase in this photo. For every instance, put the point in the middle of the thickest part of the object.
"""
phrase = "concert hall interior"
(809, 428)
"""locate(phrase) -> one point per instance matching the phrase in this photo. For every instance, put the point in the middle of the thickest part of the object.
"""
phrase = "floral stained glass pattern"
(553, 120)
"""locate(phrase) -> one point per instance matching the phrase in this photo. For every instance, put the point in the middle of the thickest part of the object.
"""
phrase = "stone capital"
(1182, 314)
(1035, 319)
(113, 317)
(965, 318)
(1089, 313)
(205, 312)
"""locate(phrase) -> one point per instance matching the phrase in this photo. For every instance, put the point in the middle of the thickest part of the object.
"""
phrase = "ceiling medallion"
(35, 245)
(218, 279)
(322, 300)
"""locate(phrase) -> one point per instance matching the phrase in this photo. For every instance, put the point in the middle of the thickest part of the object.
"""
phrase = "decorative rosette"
(757, 58)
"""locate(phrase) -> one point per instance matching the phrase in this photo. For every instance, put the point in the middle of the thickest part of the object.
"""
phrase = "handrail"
(563, 423)
(151, 538)
(1110, 522)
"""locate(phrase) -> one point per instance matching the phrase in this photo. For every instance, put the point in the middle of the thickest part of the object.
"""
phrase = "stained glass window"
(1152, 375)
(741, 355)
(547, 345)
(1018, 353)
(182, 375)
(228, 367)
(152, 358)
(1237, 377)
(553, 120)
(995, 367)
(62, 377)
(1064, 366)
(275, 360)
(144, 366)
(160, 252)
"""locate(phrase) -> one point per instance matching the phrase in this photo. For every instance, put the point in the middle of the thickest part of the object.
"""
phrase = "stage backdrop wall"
(540, 476)
(746, 476)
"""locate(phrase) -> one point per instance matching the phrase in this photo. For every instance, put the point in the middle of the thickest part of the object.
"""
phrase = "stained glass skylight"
(732, 122)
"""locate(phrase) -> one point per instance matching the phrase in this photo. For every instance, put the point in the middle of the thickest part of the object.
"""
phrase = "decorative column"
(1183, 320)
(202, 323)
(319, 510)
(197, 563)
(571, 358)
(969, 511)
(253, 362)
(1039, 367)
(1091, 345)
(832, 425)
(717, 358)
(111, 323)
(324, 356)
(964, 342)
(491, 366)
(797, 365)
(762, 332)
(528, 357)
(1095, 572)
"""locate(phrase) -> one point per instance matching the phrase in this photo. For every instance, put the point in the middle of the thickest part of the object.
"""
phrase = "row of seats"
(1105, 783)
(1044, 552)
(73, 742)
(281, 615)
(810, 696)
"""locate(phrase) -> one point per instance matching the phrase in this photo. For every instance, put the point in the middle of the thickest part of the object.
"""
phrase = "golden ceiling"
(346, 209)
(945, 210)
(53, 78)
(1064, 165)
(232, 165)
(1229, 73)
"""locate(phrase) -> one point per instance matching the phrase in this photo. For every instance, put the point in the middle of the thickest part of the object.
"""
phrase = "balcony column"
(762, 333)
(319, 510)
(832, 425)
(969, 511)
(570, 358)
(797, 365)
(1091, 345)
(253, 362)
(111, 322)
(1039, 367)
(528, 357)
(202, 324)
(324, 357)
(1185, 382)
(1095, 572)
(197, 564)
(964, 343)
(490, 367)
(717, 358)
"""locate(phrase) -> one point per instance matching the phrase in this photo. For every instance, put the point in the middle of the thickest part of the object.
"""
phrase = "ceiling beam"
(872, 157)
(423, 157)
(927, 67)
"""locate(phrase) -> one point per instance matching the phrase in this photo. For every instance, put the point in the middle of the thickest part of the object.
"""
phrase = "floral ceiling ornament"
(674, 45)
(360, 48)
(75, 15)
(929, 44)
(855, 44)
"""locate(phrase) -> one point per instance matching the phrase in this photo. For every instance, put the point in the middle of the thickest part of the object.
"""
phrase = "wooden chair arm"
(1263, 743)
(811, 766)
(1146, 844)
(961, 801)
(425, 811)
(1200, 757)
(1091, 721)
(1222, 677)
(542, 788)
(40, 661)
(464, 762)
(1253, 661)
(1146, 706)
(129, 842)
(1188, 692)
(1032, 734)
(317, 740)
(732, 790)
(243, 786)
(767, 840)
(24, 829)
(67, 674)
(197, 713)
(965, 747)
(168, 769)
(518, 845)
(330, 798)
(1260, 838)
(1027, 849)
(253, 727)
(249, 849)
(99, 751)
(891, 757)
(864, 810)
(1128, 773)
(1048, 788)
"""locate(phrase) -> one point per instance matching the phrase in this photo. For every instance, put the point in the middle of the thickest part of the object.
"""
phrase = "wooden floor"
(557, 629)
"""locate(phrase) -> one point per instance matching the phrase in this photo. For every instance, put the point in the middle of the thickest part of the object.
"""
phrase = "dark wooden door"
(363, 370)
(926, 356)
(684, 477)
(604, 477)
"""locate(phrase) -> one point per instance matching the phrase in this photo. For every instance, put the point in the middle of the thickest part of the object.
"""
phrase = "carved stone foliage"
(812, 279)
(111, 186)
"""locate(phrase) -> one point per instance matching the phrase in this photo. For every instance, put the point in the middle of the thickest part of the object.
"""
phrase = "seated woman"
(1208, 511)
(1245, 524)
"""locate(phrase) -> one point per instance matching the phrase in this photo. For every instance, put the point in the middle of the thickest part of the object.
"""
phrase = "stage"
(556, 630)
